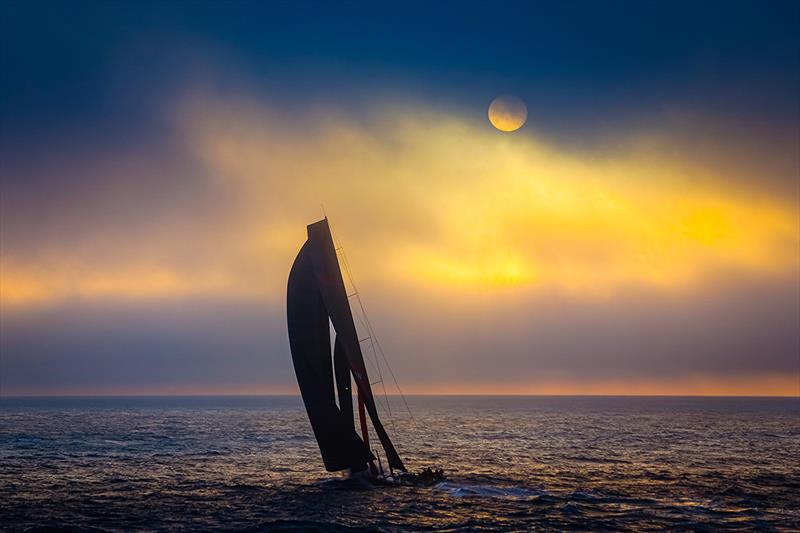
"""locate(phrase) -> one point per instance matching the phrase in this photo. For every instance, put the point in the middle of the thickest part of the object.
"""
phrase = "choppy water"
(251, 464)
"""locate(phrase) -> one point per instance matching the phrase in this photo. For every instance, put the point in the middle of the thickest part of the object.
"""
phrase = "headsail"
(316, 292)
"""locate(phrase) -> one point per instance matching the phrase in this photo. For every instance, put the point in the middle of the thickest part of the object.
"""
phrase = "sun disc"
(507, 113)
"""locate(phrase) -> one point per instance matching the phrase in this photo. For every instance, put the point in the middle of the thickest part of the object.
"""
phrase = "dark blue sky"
(577, 64)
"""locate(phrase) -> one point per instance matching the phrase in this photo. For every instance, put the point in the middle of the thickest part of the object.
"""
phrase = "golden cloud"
(439, 200)
(427, 199)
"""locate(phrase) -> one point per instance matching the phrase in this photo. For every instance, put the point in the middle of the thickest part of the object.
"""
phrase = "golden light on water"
(508, 113)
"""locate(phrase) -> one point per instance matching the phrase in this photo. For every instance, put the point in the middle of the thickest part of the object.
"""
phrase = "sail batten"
(317, 293)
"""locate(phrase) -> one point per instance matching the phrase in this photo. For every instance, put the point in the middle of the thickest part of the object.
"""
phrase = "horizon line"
(442, 395)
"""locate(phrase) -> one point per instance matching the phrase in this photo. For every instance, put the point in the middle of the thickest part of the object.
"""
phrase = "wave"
(488, 491)
(303, 525)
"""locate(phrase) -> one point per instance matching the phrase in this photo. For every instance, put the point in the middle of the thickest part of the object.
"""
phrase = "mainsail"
(316, 294)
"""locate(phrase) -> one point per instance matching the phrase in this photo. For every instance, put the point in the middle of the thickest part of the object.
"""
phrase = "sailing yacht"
(316, 294)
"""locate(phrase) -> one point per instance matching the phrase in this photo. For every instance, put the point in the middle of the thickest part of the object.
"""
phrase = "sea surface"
(513, 464)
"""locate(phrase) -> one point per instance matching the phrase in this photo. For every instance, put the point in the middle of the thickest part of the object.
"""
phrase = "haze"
(640, 235)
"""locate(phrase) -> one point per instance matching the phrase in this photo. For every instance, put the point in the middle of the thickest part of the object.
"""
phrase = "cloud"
(433, 199)
(445, 221)
(438, 199)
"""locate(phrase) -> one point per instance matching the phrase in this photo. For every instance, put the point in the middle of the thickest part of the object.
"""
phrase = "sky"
(640, 234)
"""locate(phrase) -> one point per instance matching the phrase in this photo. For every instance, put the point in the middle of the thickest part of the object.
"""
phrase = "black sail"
(309, 339)
(334, 296)
(317, 293)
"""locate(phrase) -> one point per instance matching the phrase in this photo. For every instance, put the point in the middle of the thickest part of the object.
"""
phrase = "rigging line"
(373, 340)
(365, 320)
(380, 373)
(373, 362)
(383, 354)
(377, 342)
(362, 316)
(376, 362)
(354, 293)
(374, 359)
(371, 334)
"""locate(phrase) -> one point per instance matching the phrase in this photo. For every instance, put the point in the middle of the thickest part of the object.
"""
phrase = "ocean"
(512, 464)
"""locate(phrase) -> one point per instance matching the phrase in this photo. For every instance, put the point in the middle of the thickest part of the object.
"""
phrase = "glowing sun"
(507, 113)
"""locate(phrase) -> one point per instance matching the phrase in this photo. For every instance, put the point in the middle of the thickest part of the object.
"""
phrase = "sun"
(507, 113)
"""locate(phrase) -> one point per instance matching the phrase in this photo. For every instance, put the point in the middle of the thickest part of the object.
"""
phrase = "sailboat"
(316, 294)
